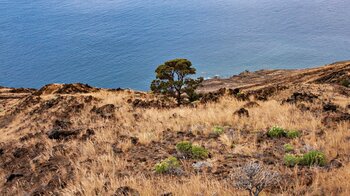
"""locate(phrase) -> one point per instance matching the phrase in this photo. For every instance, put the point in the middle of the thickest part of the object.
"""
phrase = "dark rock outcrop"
(301, 97)
(330, 107)
(126, 191)
(62, 134)
(251, 104)
(65, 89)
(106, 111)
(242, 112)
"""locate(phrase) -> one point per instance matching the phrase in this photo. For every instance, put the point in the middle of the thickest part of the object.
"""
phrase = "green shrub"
(192, 151)
(293, 134)
(311, 158)
(288, 147)
(276, 132)
(184, 147)
(345, 82)
(168, 165)
(199, 152)
(314, 157)
(292, 160)
(218, 130)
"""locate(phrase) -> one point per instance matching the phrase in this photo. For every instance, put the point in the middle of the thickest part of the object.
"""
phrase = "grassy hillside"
(73, 139)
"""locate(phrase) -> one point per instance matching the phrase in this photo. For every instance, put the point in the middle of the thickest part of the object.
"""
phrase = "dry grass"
(98, 170)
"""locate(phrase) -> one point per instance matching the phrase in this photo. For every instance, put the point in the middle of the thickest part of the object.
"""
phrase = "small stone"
(242, 112)
(126, 191)
(134, 140)
(251, 104)
(13, 176)
(201, 165)
(329, 107)
(167, 194)
(335, 163)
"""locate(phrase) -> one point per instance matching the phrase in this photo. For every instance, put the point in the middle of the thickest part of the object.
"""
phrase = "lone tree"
(172, 78)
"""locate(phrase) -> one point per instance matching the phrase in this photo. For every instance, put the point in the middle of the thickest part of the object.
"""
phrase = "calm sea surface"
(119, 43)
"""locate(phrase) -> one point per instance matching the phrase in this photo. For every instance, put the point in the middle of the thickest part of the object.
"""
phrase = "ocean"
(119, 43)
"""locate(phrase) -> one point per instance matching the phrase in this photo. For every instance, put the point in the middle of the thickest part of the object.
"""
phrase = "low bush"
(276, 131)
(293, 134)
(254, 178)
(169, 165)
(345, 82)
(292, 160)
(218, 130)
(312, 158)
(288, 147)
(184, 147)
(188, 150)
(199, 152)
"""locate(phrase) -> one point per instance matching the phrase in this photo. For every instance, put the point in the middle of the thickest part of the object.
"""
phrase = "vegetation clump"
(169, 165)
(312, 158)
(188, 150)
(218, 130)
(185, 148)
(292, 160)
(278, 132)
(345, 82)
(288, 147)
(293, 134)
(198, 152)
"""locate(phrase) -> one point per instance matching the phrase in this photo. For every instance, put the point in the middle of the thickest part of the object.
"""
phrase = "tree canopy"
(172, 78)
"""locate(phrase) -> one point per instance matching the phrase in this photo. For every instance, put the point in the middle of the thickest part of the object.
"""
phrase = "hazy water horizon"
(119, 43)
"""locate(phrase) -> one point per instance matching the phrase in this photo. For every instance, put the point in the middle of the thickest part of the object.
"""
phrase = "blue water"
(119, 43)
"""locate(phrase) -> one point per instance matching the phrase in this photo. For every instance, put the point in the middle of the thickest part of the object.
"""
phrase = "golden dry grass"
(96, 164)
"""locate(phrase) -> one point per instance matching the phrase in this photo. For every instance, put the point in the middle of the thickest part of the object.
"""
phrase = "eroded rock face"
(334, 77)
(298, 97)
(26, 167)
(213, 96)
(265, 93)
(59, 134)
(106, 111)
(62, 124)
(336, 118)
(22, 90)
(155, 103)
(65, 89)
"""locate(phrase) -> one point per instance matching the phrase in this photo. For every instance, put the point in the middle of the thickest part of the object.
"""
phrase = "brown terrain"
(74, 139)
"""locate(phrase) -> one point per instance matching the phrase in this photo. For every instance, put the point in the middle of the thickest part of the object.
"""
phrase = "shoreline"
(241, 80)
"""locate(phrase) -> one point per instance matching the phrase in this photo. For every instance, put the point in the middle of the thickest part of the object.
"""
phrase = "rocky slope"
(74, 139)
